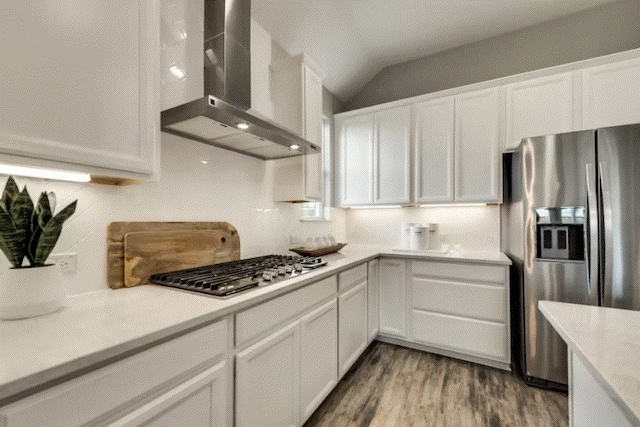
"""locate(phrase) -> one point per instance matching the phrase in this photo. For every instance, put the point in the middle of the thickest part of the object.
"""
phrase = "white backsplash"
(474, 228)
(229, 187)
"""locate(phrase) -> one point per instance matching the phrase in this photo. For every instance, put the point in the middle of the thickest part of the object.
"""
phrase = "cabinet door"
(313, 132)
(355, 179)
(82, 85)
(611, 94)
(318, 356)
(352, 324)
(374, 299)
(434, 161)
(267, 379)
(478, 136)
(199, 401)
(539, 107)
(392, 274)
(584, 391)
(392, 151)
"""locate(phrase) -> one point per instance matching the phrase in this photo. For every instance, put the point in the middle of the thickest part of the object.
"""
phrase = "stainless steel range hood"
(215, 119)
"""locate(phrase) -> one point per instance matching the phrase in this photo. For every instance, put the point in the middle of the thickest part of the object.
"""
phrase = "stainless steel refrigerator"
(571, 225)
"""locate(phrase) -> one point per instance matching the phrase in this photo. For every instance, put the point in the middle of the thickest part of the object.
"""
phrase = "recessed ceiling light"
(242, 125)
(204, 162)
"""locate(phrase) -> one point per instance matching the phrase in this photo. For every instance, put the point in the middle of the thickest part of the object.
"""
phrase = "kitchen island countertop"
(607, 340)
(97, 328)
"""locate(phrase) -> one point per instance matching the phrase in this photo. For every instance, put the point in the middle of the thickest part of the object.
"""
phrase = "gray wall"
(330, 103)
(604, 30)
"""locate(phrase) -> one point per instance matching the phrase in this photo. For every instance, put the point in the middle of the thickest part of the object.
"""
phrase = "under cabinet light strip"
(58, 175)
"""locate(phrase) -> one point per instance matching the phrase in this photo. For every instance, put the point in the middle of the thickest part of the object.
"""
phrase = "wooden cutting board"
(137, 250)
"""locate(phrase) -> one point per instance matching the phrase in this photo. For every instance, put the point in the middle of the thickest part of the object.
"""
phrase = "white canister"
(406, 234)
(419, 238)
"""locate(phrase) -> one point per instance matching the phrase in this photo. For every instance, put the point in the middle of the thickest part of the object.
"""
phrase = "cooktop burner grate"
(229, 278)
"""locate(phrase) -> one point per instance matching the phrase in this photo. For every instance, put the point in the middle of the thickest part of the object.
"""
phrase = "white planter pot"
(30, 292)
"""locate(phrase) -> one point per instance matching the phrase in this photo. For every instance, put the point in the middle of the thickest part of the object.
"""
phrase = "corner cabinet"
(479, 125)
(454, 308)
(393, 297)
(374, 152)
(81, 91)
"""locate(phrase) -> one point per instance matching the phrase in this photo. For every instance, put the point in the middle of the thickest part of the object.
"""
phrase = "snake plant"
(28, 231)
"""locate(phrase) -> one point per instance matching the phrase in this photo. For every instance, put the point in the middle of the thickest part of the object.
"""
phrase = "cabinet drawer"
(91, 396)
(487, 302)
(257, 321)
(469, 336)
(351, 277)
(468, 272)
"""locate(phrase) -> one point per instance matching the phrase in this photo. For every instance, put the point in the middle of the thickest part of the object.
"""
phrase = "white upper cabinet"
(261, 52)
(374, 157)
(478, 134)
(297, 105)
(181, 56)
(611, 94)
(80, 86)
(434, 161)
(539, 106)
(312, 108)
(355, 157)
(392, 156)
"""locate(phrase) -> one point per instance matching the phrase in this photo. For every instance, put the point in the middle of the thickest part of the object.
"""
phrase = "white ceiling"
(352, 40)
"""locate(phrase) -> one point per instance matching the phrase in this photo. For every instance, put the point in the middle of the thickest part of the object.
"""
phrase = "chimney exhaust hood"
(221, 117)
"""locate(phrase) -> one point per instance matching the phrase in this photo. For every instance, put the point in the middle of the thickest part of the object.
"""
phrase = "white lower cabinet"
(352, 316)
(589, 403)
(352, 307)
(318, 354)
(267, 381)
(393, 297)
(284, 376)
(373, 296)
(453, 308)
(461, 308)
(185, 381)
(199, 401)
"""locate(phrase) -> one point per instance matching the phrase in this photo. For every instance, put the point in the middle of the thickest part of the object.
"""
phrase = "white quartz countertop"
(97, 328)
(608, 341)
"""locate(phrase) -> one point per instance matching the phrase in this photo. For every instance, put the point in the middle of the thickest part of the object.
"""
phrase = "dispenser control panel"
(560, 233)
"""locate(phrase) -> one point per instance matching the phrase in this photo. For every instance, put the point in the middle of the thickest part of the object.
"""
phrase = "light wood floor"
(395, 386)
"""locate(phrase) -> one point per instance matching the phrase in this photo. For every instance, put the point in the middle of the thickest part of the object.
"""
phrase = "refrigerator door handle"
(592, 234)
(606, 252)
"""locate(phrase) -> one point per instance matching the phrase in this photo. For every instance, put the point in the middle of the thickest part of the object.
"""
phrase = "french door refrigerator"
(571, 225)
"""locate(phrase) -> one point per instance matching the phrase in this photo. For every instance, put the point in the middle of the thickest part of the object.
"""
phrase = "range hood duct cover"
(214, 118)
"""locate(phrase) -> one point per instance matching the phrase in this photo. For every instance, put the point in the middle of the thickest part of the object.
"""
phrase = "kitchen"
(240, 191)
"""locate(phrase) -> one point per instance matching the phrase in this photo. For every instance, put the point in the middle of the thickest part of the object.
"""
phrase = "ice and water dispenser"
(560, 233)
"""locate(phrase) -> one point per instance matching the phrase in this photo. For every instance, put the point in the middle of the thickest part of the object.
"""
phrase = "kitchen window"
(321, 211)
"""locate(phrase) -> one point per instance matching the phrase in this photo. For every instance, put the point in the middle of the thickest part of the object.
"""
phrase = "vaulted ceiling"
(352, 40)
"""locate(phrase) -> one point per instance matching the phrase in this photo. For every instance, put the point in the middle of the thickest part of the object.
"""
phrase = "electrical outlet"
(67, 262)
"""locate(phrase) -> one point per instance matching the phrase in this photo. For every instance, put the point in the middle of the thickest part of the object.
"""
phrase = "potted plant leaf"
(28, 234)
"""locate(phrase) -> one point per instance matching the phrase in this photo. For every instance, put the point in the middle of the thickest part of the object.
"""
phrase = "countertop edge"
(545, 308)
(34, 382)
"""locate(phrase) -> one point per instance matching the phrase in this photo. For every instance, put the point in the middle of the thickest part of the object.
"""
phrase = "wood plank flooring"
(395, 386)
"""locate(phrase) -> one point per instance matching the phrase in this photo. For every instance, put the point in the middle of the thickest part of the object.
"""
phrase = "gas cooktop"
(229, 278)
